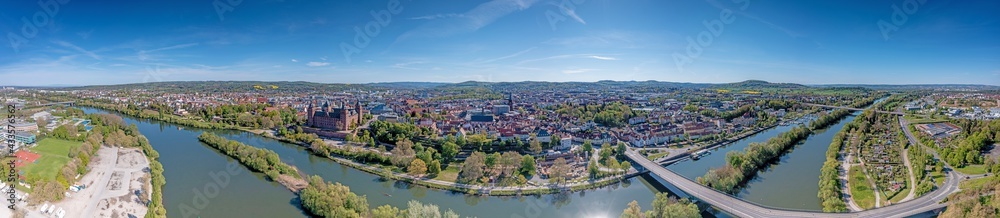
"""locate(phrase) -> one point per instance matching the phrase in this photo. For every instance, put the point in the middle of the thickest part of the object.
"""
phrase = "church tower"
(510, 100)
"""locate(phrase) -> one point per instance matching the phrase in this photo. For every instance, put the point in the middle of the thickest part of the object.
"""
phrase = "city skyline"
(810, 43)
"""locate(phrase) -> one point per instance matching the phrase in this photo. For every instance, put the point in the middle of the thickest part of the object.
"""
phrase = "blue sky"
(808, 42)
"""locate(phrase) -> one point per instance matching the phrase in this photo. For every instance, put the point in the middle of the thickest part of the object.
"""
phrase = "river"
(192, 191)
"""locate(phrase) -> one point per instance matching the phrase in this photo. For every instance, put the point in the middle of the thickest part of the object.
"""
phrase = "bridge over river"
(743, 208)
(853, 109)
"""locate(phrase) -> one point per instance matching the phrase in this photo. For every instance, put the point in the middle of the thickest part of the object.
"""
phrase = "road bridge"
(70, 103)
(853, 109)
(743, 208)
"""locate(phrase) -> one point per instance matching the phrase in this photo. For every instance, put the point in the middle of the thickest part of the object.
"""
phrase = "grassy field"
(54, 156)
(657, 155)
(861, 190)
(449, 174)
(972, 169)
(922, 119)
(938, 177)
(974, 183)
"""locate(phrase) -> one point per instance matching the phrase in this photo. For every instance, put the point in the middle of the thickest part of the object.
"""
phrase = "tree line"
(741, 166)
(829, 119)
(829, 177)
(663, 206)
(257, 159)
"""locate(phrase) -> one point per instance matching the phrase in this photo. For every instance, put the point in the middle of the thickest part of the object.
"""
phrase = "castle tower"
(310, 111)
(357, 108)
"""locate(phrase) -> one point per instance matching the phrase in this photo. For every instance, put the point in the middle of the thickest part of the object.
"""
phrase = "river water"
(190, 169)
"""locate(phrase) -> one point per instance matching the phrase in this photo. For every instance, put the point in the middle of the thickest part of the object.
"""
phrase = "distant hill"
(758, 84)
(953, 87)
(228, 86)
(412, 85)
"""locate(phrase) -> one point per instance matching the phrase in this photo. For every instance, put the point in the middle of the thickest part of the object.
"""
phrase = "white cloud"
(482, 15)
(603, 58)
(77, 48)
(436, 16)
(296, 61)
(571, 13)
(568, 56)
(509, 56)
(317, 64)
(576, 71)
(144, 54)
(407, 64)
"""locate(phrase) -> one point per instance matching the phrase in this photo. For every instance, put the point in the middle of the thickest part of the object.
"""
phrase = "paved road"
(851, 108)
(744, 208)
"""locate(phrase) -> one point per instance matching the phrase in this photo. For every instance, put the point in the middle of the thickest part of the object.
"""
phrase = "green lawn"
(861, 190)
(974, 183)
(972, 169)
(449, 174)
(938, 177)
(922, 119)
(54, 156)
(657, 155)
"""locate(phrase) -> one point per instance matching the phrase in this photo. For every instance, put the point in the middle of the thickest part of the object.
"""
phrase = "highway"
(742, 208)
(852, 109)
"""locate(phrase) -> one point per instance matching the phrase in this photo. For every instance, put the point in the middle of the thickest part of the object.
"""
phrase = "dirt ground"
(116, 186)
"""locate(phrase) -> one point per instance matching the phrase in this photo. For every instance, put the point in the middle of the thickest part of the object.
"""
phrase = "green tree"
(666, 207)
(528, 165)
(558, 171)
(472, 169)
(620, 150)
(633, 211)
(434, 167)
(593, 170)
(449, 150)
(385, 211)
(417, 167)
(535, 146)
